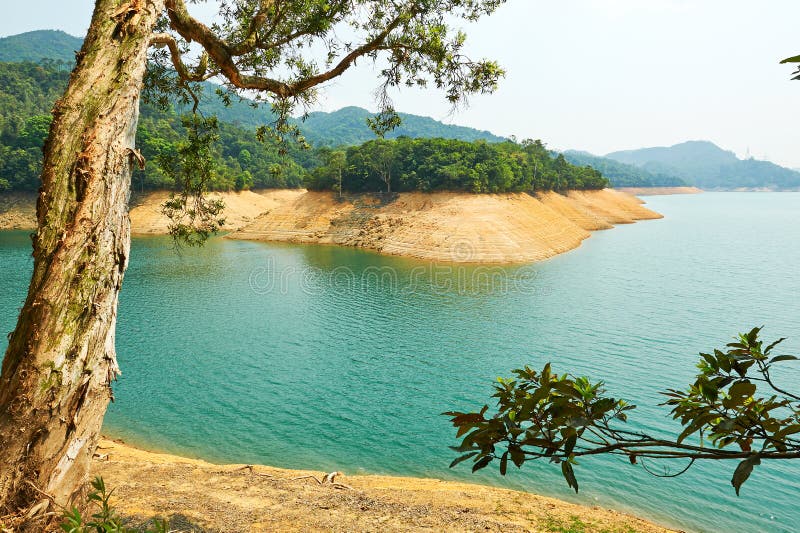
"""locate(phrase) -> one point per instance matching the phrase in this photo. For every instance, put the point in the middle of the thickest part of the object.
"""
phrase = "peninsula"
(441, 226)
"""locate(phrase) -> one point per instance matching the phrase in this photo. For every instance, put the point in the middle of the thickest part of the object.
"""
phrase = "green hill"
(622, 174)
(346, 126)
(40, 44)
(708, 166)
(239, 160)
(27, 94)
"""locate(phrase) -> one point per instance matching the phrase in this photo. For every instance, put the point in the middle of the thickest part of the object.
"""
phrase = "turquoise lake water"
(337, 359)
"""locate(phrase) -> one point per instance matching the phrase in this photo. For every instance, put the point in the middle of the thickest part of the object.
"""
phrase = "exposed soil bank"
(17, 210)
(448, 226)
(241, 208)
(442, 226)
(659, 191)
(200, 496)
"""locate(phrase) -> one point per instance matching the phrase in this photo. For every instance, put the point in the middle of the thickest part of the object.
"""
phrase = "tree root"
(37, 514)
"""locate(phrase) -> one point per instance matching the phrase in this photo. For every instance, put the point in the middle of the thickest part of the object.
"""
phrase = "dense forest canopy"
(408, 164)
(348, 126)
(241, 161)
(27, 93)
(41, 44)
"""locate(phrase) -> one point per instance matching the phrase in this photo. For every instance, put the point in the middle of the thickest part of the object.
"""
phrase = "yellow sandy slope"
(240, 208)
(17, 211)
(444, 226)
(460, 227)
(199, 496)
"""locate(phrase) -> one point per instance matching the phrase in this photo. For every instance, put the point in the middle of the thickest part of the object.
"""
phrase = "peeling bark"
(56, 376)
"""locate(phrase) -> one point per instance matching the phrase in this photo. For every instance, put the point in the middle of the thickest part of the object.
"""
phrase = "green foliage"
(793, 59)
(193, 216)
(348, 127)
(621, 174)
(104, 519)
(41, 44)
(27, 93)
(443, 164)
(562, 418)
(384, 122)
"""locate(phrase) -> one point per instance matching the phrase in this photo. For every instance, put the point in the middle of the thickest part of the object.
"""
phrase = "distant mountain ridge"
(706, 165)
(623, 174)
(38, 45)
(347, 126)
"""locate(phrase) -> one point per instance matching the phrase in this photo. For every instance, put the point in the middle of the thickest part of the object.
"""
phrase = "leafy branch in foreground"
(795, 59)
(193, 216)
(563, 418)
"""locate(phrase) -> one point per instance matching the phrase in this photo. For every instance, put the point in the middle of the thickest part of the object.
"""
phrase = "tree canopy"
(445, 164)
(240, 161)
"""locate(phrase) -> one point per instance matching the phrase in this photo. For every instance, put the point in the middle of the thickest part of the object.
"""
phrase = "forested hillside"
(622, 174)
(27, 93)
(439, 157)
(407, 164)
(41, 44)
(348, 126)
(708, 166)
(240, 161)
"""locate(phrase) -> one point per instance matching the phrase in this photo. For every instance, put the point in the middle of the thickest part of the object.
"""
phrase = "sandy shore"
(659, 191)
(200, 496)
(17, 210)
(447, 226)
(442, 226)
(241, 208)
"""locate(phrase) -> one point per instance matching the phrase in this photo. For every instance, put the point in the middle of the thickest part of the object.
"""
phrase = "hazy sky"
(597, 75)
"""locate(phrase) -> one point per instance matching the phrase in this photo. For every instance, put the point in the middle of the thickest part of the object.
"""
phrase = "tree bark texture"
(57, 372)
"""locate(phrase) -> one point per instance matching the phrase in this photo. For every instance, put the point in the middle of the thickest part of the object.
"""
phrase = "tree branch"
(223, 54)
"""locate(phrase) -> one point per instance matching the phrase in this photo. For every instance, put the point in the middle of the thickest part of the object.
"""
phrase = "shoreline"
(659, 191)
(236, 497)
(449, 227)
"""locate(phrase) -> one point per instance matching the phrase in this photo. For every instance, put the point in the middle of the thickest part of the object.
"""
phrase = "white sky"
(596, 75)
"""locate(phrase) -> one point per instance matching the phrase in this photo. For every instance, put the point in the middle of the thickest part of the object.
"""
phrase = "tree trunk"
(57, 372)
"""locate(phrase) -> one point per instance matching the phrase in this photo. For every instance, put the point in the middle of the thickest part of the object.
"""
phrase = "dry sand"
(200, 496)
(442, 226)
(17, 210)
(241, 208)
(447, 226)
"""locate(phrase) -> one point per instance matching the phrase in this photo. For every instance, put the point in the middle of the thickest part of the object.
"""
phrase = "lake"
(338, 359)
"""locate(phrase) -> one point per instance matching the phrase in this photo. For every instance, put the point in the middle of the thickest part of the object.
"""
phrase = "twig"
(327, 479)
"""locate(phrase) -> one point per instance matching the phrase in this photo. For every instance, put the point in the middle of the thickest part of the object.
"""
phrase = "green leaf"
(795, 59)
(783, 358)
(504, 464)
(569, 444)
(743, 471)
(569, 475)
(462, 458)
(742, 389)
(481, 463)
